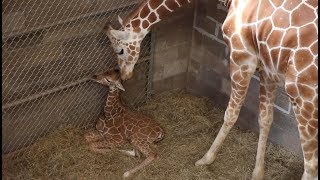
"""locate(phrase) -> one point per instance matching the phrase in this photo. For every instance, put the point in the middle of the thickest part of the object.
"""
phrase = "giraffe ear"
(119, 86)
(119, 34)
(120, 20)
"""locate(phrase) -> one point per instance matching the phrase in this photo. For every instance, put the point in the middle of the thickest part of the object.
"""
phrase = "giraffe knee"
(229, 119)
(310, 146)
(311, 168)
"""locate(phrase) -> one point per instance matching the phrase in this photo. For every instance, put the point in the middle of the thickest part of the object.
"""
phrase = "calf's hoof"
(127, 175)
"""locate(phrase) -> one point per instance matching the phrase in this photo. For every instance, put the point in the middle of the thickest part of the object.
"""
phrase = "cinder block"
(158, 73)
(197, 48)
(194, 67)
(184, 51)
(171, 83)
(165, 56)
(287, 122)
(282, 99)
(217, 14)
(206, 24)
(215, 48)
(248, 120)
(226, 86)
(201, 8)
(252, 98)
(216, 63)
(176, 29)
(175, 68)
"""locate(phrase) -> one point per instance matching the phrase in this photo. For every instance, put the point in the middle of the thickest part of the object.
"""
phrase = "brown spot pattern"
(277, 3)
(280, 18)
(275, 38)
(290, 38)
(305, 92)
(162, 11)
(310, 146)
(171, 4)
(290, 5)
(266, 10)
(307, 34)
(302, 59)
(144, 12)
(155, 3)
(145, 24)
(309, 76)
(152, 18)
(302, 16)
(236, 42)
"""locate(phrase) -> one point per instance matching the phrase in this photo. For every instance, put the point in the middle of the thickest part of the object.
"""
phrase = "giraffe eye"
(121, 52)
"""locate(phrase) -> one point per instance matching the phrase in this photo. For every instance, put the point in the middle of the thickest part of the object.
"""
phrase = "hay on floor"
(191, 124)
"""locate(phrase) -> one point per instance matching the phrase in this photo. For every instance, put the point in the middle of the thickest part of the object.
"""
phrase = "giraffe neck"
(113, 105)
(150, 12)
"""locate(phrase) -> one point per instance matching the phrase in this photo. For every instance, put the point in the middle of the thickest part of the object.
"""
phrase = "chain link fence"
(50, 48)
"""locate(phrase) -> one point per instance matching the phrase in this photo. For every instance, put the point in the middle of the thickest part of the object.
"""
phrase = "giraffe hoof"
(200, 162)
(204, 161)
(126, 174)
(257, 174)
(137, 154)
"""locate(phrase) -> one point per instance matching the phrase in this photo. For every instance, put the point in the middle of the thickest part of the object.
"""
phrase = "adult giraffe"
(276, 37)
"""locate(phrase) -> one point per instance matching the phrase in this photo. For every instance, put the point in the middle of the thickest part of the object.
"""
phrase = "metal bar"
(36, 96)
(88, 15)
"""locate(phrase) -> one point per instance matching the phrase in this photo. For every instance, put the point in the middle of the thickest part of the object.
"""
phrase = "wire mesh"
(50, 48)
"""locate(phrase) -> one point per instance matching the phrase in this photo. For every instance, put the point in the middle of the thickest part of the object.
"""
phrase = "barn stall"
(51, 48)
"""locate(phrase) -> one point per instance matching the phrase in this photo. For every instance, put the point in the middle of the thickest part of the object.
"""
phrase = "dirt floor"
(191, 124)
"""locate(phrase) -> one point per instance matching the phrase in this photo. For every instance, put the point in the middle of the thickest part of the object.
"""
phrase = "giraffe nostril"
(117, 70)
(121, 52)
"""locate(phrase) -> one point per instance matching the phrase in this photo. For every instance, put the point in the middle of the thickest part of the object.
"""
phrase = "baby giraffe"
(120, 125)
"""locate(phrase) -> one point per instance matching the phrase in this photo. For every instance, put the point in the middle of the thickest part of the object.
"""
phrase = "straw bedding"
(191, 124)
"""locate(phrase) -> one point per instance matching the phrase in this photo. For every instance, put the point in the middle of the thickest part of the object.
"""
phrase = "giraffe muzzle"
(126, 76)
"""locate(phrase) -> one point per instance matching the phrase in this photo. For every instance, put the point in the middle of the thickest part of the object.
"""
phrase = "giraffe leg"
(106, 144)
(145, 148)
(93, 136)
(240, 79)
(308, 130)
(267, 97)
(134, 152)
(306, 112)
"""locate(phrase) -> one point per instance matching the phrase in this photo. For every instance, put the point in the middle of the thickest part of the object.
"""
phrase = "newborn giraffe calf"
(120, 125)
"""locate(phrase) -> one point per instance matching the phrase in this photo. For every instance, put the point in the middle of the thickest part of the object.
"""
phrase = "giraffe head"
(126, 43)
(110, 78)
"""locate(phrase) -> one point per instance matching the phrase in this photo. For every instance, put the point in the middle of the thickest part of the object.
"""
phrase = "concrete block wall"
(208, 75)
(172, 49)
